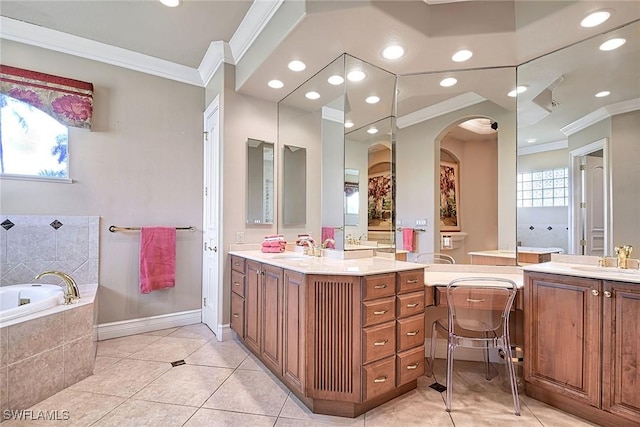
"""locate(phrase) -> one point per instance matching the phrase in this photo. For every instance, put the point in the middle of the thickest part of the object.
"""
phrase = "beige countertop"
(442, 274)
(584, 270)
(326, 265)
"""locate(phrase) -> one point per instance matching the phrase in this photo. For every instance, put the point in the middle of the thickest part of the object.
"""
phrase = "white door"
(595, 208)
(211, 289)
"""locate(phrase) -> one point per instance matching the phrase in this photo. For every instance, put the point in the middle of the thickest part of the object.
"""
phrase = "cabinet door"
(621, 350)
(272, 291)
(237, 314)
(253, 306)
(562, 339)
(294, 330)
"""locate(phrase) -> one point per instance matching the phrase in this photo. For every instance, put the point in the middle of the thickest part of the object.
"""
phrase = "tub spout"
(71, 292)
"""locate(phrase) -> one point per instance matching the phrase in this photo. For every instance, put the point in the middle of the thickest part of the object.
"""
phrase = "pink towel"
(408, 243)
(328, 233)
(157, 258)
(272, 249)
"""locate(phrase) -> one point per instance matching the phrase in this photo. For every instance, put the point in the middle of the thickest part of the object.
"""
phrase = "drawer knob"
(413, 305)
(384, 285)
(236, 315)
(413, 333)
(474, 300)
(414, 366)
(236, 284)
(595, 292)
(380, 312)
(607, 294)
(379, 343)
(380, 379)
(412, 281)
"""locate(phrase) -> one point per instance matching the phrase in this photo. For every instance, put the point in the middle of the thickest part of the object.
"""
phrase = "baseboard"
(148, 324)
(224, 332)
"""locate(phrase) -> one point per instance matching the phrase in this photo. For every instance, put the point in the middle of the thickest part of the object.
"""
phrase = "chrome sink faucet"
(71, 292)
(623, 253)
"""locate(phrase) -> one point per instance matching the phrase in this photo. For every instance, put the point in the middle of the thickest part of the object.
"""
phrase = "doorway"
(211, 290)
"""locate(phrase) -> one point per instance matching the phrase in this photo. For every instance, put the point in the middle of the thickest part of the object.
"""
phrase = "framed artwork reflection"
(449, 197)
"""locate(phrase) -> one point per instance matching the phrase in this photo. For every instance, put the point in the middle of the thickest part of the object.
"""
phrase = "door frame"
(575, 196)
(212, 152)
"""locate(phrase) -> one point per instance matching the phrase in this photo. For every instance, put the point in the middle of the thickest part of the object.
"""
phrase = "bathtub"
(21, 300)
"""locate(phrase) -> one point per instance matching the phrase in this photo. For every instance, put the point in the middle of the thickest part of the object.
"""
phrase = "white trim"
(256, 19)
(58, 41)
(539, 148)
(148, 324)
(217, 53)
(450, 105)
(224, 332)
(601, 114)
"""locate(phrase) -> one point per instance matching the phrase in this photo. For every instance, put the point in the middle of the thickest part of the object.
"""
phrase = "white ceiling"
(187, 42)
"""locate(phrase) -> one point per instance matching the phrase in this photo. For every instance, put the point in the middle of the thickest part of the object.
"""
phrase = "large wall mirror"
(339, 117)
(578, 151)
(466, 129)
(260, 184)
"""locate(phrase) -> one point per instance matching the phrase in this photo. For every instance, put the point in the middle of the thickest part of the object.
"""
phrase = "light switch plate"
(240, 237)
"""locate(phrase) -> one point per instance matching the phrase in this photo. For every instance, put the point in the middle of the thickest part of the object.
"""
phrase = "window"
(32, 143)
(543, 188)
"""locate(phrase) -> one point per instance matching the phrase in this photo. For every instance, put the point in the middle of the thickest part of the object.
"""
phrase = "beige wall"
(140, 165)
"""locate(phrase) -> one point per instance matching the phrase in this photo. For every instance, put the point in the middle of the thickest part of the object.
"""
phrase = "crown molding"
(540, 148)
(34, 35)
(453, 104)
(601, 114)
(256, 19)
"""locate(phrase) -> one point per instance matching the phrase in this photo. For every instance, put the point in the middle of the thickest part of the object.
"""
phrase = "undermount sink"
(616, 270)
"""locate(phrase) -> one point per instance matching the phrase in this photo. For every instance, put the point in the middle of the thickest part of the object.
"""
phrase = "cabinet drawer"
(409, 281)
(379, 377)
(237, 263)
(237, 283)
(378, 342)
(378, 311)
(410, 332)
(237, 314)
(378, 286)
(480, 298)
(410, 304)
(410, 365)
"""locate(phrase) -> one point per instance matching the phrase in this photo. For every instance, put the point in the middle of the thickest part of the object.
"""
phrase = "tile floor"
(222, 384)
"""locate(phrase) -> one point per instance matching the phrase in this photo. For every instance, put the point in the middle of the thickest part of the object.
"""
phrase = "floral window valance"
(68, 101)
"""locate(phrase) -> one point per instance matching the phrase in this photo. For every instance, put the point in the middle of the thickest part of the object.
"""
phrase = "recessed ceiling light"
(596, 18)
(372, 99)
(348, 124)
(531, 140)
(449, 81)
(516, 91)
(356, 75)
(312, 95)
(393, 52)
(462, 55)
(275, 84)
(372, 131)
(335, 80)
(612, 44)
(603, 94)
(296, 65)
(170, 3)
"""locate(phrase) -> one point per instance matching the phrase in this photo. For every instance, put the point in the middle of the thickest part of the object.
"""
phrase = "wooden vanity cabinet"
(582, 345)
(343, 344)
(237, 295)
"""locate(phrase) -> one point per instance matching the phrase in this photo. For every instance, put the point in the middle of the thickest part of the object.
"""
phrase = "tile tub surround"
(223, 384)
(31, 244)
(46, 352)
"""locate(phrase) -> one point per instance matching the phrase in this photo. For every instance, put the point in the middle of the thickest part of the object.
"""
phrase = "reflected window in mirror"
(260, 182)
(294, 186)
(351, 196)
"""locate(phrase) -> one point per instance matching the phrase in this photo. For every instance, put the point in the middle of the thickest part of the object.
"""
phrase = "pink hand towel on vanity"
(408, 243)
(328, 233)
(157, 258)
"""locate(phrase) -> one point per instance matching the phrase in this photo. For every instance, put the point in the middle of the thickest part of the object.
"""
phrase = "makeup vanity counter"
(344, 335)
(582, 340)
